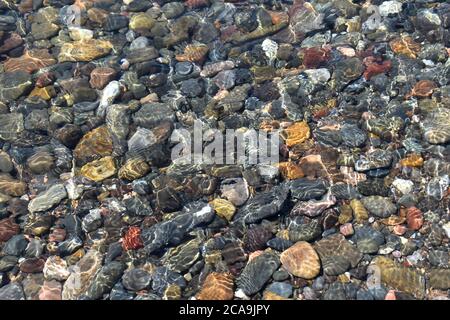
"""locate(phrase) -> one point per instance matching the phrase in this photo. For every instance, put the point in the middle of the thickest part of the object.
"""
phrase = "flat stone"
(173, 231)
(105, 279)
(223, 208)
(44, 30)
(163, 278)
(94, 145)
(398, 277)
(301, 260)
(13, 41)
(12, 291)
(217, 286)
(40, 162)
(235, 190)
(306, 189)
(337, 254)
(257, 272)
(56, 268)
(31, 61)
(11, 186)
(264, 205)
(51, 290)
(13, 85)
(152, 114)
(100, 169)
(368, 240)
(379, 206)
(86, 50)
(15, 245)
(296, 133)
(136, 279)
(8, 228)
(101, 76)
(142, 22)
(82, 276)
(134, 169)
(6, 165)
(436, 126)
(45, 200)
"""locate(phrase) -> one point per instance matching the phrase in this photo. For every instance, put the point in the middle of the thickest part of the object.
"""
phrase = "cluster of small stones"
(93, 207)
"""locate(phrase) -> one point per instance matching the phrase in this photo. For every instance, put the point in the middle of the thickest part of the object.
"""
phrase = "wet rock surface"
(96, 97)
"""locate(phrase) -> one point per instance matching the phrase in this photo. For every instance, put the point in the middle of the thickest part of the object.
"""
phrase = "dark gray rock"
(136, 279)
(257, 272)
(105, 279)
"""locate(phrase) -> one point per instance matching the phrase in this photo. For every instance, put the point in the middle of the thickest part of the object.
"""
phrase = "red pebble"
(374, 67)
(45, 79)
(399, 230)
(315, 57)
(132, 239)
(390, 295)
(194, 4)
(414, 218)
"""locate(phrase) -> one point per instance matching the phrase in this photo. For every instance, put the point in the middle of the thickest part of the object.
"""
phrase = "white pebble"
(390, 7)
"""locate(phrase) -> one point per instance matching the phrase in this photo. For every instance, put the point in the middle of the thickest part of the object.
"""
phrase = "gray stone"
(11, 125)
(47, 199)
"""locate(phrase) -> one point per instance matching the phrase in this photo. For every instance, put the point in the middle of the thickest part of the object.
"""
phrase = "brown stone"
(45, 93)
(69, 135)
(315, 57)
(32, 265)
(374, 67)
(296, 133)
(30, 61)
(94, 144)
(393, 220)
(290, 170)
(45, 79)
(346, 214)
(25, 6)
(97, 15)
(301, 260)
(398, 277)
(217, 286)
(359, 211)
(13, 41)
(85, 50)
(8, 228)
(172, 292)
(312, 166)
(414, 218)
(423, 88)
(269, 295)
(100, 77)
(193, 53)
(134, 169)
(413, 160)
(132, 239)
(406, 46)
(11, 186)
(100, 169)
